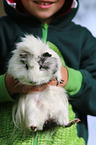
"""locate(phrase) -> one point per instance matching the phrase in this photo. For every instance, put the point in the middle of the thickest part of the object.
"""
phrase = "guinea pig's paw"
(33, 128)
(72, 122)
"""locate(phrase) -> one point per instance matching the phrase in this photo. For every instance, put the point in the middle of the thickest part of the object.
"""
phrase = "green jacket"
(77, 46)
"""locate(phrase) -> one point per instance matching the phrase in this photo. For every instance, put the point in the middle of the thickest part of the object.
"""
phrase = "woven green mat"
(57, 136)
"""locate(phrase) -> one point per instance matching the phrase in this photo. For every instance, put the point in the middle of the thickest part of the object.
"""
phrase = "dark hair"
(19, 5)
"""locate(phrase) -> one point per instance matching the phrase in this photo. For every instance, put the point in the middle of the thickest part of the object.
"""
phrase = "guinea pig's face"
(39, 68)
(33, 62)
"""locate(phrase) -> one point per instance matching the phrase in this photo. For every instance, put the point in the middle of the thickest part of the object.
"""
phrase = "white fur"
(35, 108)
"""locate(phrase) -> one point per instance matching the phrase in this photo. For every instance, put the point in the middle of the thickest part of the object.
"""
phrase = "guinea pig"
(34, 63)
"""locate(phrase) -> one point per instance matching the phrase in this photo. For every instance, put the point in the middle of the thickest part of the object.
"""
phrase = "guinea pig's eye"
(46, 54)
(24, 54)
(27, 67)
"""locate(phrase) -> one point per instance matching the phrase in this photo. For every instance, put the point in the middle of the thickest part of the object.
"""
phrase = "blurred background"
(86, 16)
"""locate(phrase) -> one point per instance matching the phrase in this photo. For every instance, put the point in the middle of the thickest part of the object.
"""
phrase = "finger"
(53, 82)
(30, 89)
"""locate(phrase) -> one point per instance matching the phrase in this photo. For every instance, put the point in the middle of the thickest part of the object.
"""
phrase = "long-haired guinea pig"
(34, 63)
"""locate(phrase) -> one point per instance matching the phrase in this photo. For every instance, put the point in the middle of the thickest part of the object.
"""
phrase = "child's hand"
(13, 86)
(64, 75)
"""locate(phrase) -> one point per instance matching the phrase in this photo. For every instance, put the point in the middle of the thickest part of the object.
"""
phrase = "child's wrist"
(64, 74)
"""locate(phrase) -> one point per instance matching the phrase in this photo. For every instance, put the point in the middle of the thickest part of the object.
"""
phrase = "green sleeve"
(4, 96)
(74, 83)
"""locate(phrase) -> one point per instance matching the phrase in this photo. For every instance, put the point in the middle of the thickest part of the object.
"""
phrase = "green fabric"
(74, 81)
(44, 32)
(74, 77)
(35, 139)
(57, 136)
(4, 96)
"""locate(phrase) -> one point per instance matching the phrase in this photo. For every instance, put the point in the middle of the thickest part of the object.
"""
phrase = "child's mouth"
(43, 3)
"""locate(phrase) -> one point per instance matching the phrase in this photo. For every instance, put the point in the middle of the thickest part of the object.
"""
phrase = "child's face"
(42, 9)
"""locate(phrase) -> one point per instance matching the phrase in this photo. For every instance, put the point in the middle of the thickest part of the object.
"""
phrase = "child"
(51, 20)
